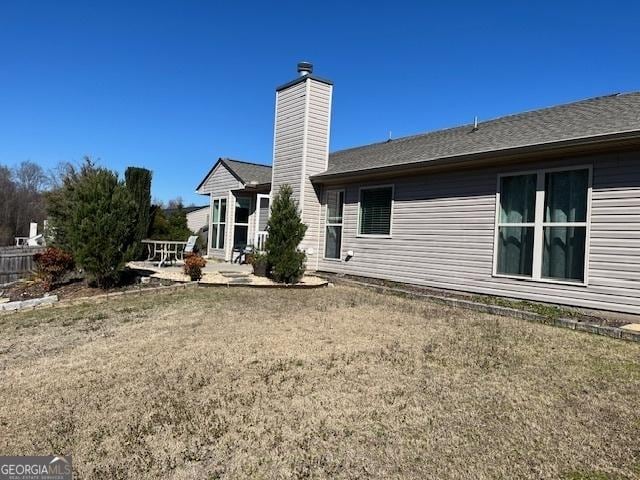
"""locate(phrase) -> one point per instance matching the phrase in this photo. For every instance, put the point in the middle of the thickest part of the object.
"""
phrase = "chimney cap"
(305, 72)
(305, 68)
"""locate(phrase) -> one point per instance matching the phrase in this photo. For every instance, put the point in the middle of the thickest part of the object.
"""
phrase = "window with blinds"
(375, 211)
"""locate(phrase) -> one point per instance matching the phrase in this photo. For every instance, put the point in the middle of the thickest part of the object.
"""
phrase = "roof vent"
(305, 68)
(475, 124)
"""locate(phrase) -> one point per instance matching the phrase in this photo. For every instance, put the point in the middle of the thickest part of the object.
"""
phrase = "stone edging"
(103, 297)
(52, 301)
(294, 286)
(614, 332)
(24, 304)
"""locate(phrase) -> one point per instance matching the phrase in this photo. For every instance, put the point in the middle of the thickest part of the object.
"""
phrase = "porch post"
(210, 226)
(228, 241)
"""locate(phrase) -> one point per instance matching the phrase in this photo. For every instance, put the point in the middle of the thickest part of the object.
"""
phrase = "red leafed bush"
(52, 264)
(193, 265)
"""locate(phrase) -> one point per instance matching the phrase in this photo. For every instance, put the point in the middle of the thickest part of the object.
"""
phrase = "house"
(542, 205)
(238, 197)
(197, 217)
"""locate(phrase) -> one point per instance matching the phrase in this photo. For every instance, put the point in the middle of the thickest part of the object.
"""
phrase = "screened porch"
(238, 222)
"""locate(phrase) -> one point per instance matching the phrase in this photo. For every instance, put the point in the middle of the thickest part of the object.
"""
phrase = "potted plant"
(260, 264)
(193, 265)
(249, 255)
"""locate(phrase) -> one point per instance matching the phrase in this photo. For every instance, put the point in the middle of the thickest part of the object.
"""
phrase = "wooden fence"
(16, 262)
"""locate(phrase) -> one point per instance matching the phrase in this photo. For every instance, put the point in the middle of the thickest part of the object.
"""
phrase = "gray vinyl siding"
(316, 162)
(251, 231)
(198, 219)
(443, 236)
(220, 182)
(263, 215)
(288, 146)
(301, 149)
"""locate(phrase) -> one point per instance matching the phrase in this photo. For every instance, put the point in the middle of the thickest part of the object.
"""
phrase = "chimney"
(305, 68)
(301, 148)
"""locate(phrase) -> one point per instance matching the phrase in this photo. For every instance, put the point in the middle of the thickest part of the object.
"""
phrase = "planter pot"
(260, 269)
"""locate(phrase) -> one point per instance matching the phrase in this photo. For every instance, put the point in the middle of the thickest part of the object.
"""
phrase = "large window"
(565, 224)
(333, 234)
(376, 204)
(218, 224)
(542, 225)
(241, 225)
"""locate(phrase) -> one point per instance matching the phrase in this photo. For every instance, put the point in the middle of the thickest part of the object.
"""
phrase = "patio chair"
(190, 247)
(241, 253)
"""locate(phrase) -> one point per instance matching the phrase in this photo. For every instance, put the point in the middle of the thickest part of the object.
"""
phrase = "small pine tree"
(159, 226)
(286, 231)
(138, 182)
(169, 225)
(94, 218)
(178, 224)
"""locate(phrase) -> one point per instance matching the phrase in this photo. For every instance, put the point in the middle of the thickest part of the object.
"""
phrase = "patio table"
(165, 250)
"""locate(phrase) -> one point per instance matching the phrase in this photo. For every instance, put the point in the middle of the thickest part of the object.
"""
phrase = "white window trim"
(393, 199)
(213, 202)
(327, 224)
(539, 224)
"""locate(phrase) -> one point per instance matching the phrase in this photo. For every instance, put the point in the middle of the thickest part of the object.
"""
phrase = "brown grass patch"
(331, 383)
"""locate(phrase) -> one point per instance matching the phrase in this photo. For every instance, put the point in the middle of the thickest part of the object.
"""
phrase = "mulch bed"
(26, 290)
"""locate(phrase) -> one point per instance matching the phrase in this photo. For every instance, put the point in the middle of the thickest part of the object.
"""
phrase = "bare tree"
(21, 199)
(57, 174)
(30, 177)
(7, 206)
(174, 203)
(158, 203)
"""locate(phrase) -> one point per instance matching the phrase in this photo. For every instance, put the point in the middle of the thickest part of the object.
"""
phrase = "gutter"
(630, 137)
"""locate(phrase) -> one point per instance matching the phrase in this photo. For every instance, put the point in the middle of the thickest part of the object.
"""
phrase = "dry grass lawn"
(330, 383)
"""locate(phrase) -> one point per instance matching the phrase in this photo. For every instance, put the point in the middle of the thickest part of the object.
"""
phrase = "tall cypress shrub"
(286, 231)
(138, 182)
(94, 217)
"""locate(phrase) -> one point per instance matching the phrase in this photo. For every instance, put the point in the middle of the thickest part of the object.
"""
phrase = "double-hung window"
(375, 208)
(542, 224)
(333, 229)
(218, 224)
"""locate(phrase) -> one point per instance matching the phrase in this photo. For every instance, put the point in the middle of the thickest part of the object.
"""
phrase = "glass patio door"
(241, 222)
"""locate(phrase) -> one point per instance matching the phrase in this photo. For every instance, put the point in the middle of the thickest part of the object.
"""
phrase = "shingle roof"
(245, 172)
(585, 119)
(171, 211)
(249, 172)
(588, 118)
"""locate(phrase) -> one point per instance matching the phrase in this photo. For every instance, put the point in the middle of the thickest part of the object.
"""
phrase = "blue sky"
(171, 86)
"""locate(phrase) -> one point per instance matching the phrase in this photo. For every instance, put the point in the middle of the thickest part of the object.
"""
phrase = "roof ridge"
(558, 105)
(494, 119)
(227, 159)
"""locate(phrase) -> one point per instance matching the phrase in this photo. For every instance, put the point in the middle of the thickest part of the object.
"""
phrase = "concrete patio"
(219, 273)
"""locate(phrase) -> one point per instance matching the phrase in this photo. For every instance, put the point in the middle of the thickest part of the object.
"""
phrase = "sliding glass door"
(241, 225)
